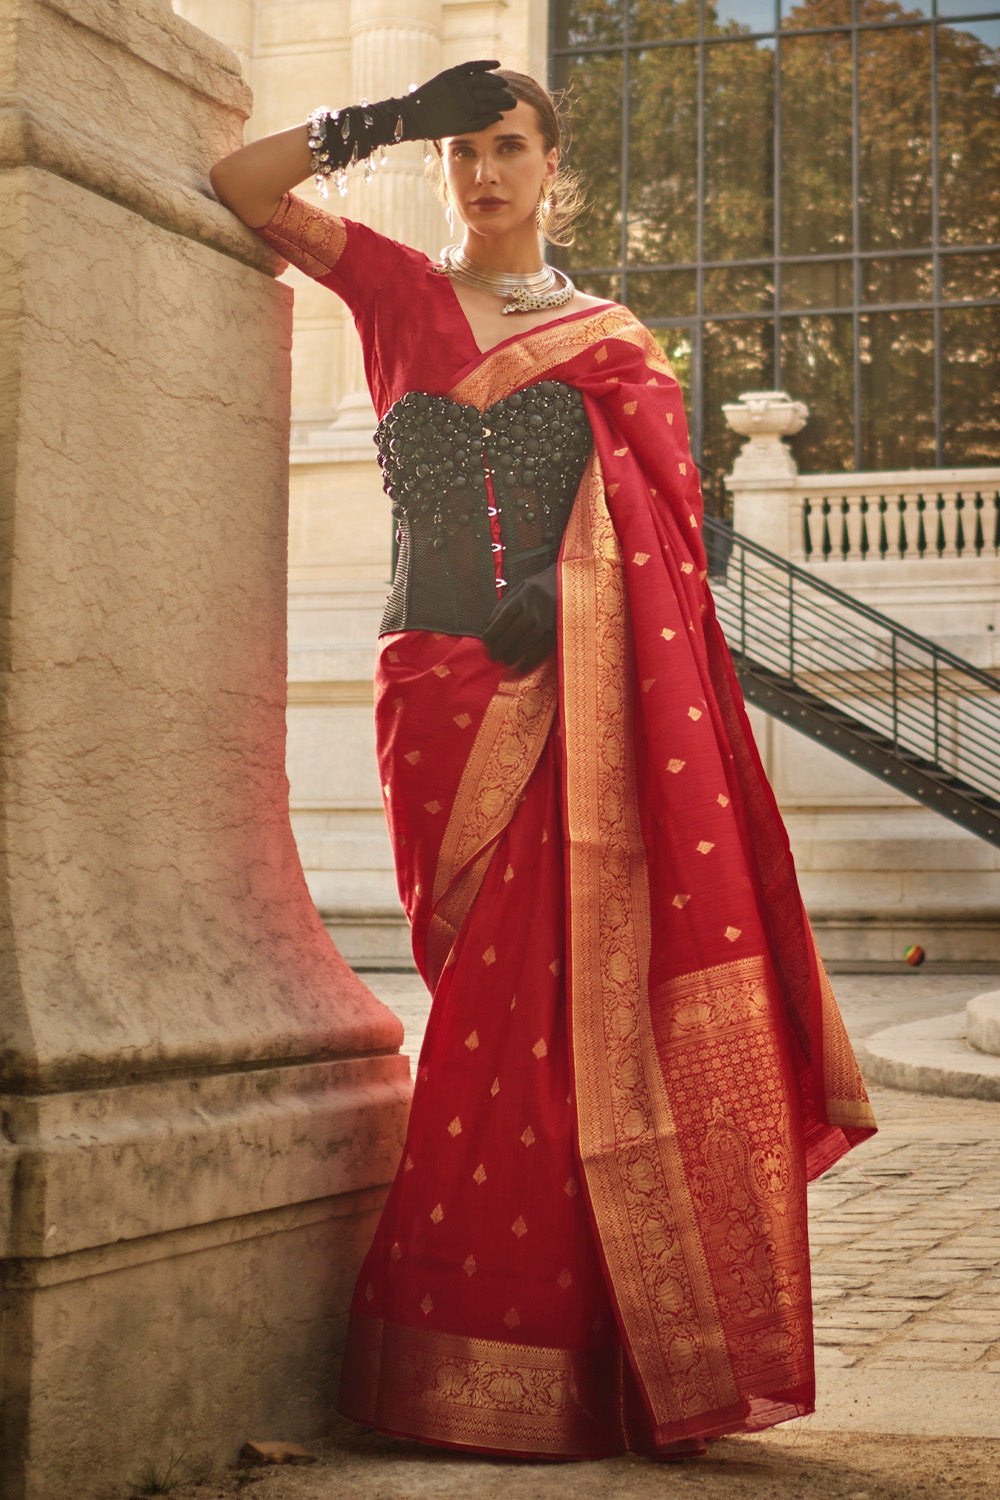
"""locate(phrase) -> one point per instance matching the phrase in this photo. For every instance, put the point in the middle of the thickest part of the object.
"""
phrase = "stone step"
(371, 940)
(982, 1023)
(931, 1057)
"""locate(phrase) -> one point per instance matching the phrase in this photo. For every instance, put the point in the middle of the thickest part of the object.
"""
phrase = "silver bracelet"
(321, 122)
(321, 165)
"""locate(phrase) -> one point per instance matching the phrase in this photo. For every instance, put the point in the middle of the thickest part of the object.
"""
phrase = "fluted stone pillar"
(341, 529)
(394, 43)
(201, 1105)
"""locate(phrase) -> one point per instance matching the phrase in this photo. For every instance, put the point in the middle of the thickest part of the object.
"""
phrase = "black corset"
(433, 453)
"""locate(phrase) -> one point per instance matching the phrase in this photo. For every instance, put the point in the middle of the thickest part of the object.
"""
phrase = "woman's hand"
(459, 101)
(523, 628)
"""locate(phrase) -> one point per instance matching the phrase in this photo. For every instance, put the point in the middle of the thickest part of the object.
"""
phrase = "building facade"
(796, 196)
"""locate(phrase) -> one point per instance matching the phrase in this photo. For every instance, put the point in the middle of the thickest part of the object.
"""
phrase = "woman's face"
(495, 176)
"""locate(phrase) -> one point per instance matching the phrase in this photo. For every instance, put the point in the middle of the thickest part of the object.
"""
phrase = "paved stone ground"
(906, 1262)
(905, 1236)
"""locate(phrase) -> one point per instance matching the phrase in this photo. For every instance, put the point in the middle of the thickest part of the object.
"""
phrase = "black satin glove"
(462, 99)
(522, 630)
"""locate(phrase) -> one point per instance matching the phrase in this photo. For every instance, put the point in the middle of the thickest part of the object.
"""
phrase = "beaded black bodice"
(434, 454)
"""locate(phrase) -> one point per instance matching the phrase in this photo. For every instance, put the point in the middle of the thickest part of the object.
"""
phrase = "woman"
(596, 1240)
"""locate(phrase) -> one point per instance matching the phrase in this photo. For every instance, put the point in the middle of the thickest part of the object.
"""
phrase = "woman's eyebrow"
(513, 135)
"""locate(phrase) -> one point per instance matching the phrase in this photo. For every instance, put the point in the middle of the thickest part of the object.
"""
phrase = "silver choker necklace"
(533, 291)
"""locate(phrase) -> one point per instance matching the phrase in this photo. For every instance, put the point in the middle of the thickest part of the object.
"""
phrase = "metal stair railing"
(876, 692)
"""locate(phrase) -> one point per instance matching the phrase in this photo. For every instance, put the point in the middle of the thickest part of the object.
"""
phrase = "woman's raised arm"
(253, 180)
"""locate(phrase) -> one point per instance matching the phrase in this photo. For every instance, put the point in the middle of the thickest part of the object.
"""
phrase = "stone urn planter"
(765, 418)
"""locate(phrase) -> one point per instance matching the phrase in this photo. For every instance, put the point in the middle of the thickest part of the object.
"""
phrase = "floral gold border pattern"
(518, 364)
(641, 1201)
(305, 235)
(483, 1394)
(724, 1053)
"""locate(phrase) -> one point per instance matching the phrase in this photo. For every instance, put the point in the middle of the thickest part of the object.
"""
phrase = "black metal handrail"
(919, 715)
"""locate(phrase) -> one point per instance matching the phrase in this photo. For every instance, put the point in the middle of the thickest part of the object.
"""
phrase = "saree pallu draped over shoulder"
(597, 1237)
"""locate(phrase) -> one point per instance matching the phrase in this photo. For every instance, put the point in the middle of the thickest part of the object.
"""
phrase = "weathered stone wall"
(201, 1104)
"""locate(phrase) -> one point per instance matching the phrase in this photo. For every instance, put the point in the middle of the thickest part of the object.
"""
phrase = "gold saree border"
(846, 1097)
(305, 235)
(724, 1052)
(643, 1209)
(513, 733)
(482, 1393)
(511, 366)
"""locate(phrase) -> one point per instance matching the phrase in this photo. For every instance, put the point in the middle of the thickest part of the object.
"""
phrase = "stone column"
(341, 532)
(766, 507)
(201, 1105)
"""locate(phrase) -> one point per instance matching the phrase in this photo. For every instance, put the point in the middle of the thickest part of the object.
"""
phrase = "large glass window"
(802, 194)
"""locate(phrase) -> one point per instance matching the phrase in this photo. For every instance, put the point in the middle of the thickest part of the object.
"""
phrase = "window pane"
(596, 155)
(676, 345)
(663, 156)
(797, 14)
(895, 137)
(816, 192)
(817, 283)
(608, 287)
(586, 23)
(965, 276)
(739, 16)
(738, 356)
(969, 139)
(970, 377)
(660, 20)
(908, 279)
(897, 390)
(739, 289)
(739, 151)
(817, 367)
(967, 7)
(663, 294)
(986, 31)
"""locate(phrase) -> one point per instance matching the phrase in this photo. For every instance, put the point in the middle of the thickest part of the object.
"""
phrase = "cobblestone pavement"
(905, 1236)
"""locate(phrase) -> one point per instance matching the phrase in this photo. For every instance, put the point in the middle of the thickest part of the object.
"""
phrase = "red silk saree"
(597, 1236)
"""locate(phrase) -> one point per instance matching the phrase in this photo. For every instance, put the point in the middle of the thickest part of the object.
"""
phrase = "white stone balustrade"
(920, 544)
(877, 871)
(912, 515)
